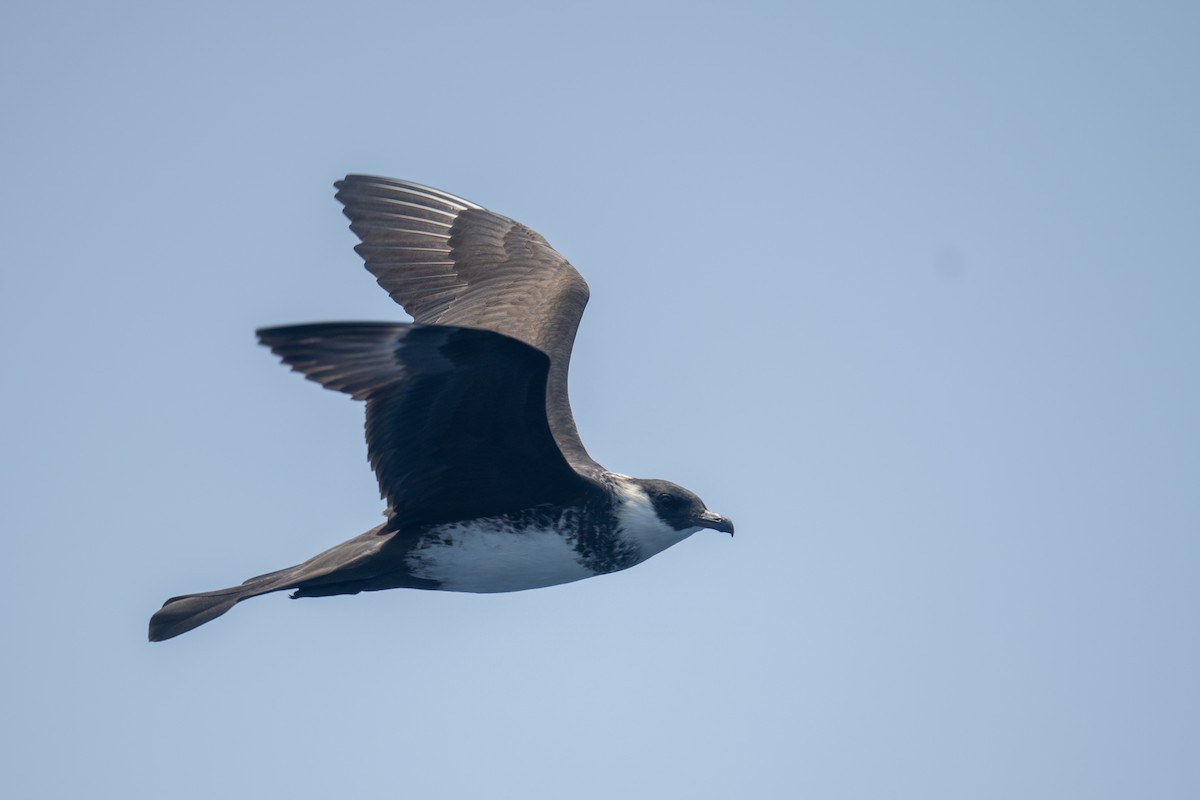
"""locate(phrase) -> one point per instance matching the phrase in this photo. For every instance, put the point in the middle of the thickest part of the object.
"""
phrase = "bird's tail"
(356, 565)
(181, 614)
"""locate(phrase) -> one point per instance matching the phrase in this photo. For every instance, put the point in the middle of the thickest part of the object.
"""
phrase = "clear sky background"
(909, 290)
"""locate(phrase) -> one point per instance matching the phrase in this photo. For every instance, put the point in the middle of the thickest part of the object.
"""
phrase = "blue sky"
(908, 290)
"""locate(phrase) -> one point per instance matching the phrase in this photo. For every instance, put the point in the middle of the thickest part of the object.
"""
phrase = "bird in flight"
(469, 427)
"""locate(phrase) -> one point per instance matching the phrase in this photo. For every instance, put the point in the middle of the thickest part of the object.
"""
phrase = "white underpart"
(483, 558)
(638, 521)
(488, 556)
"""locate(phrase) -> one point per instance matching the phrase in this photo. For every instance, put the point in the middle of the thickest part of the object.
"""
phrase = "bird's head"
(681, 509)
(654, 515)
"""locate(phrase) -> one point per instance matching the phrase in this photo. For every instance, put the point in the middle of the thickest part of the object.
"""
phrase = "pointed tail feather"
(355, 565)
(182, 614)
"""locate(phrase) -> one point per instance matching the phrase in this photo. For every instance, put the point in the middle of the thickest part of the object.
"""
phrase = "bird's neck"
(636, 520)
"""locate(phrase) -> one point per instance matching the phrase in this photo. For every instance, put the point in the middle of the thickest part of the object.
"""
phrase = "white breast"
(482, 558)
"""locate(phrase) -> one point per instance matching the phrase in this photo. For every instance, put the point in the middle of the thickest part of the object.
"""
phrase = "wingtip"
(355, 180)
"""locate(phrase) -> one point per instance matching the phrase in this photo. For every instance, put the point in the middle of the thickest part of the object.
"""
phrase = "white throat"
(638, 522)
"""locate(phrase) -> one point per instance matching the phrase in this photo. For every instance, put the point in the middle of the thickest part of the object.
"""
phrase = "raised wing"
(456, 418)
(448, 261)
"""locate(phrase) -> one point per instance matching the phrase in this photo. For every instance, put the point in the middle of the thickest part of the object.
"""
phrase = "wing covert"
(456, 421)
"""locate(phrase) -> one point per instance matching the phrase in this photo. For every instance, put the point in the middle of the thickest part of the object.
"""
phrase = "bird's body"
(469, 426)
(543, 546)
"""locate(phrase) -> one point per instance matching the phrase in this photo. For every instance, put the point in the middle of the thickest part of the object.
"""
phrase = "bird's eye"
(663, 497)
